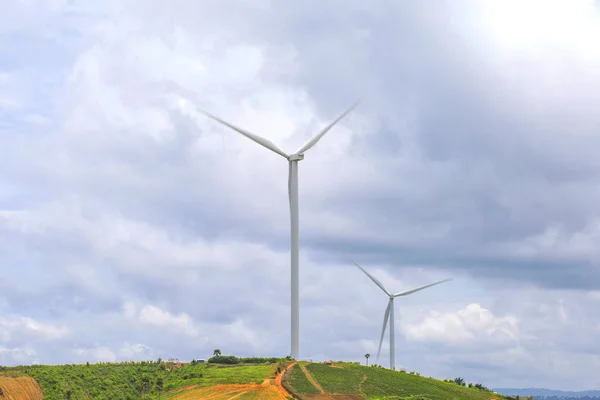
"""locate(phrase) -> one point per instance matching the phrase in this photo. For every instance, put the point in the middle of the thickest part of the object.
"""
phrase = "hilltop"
(257, 378)
(224, 378)
(353, 381)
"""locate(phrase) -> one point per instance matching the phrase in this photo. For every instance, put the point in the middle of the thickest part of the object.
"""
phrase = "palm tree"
(459, 381)
(367, 357)
(217, 352)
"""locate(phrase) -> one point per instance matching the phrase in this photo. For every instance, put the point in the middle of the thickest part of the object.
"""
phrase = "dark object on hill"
(242, 360)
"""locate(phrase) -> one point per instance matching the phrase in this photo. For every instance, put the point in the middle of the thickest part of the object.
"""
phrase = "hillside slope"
(19, 388)
(352, 381)
(187, 381)
(150, 380)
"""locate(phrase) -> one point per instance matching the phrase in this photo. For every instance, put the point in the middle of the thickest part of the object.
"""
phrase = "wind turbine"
(389, 311)
(293, 159)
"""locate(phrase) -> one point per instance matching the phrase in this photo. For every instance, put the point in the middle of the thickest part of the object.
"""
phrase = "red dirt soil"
(270, 389)
(21, 388)
(331, 396)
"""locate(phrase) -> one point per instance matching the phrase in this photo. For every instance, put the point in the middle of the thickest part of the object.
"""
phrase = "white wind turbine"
(389, 312)
(293, 159)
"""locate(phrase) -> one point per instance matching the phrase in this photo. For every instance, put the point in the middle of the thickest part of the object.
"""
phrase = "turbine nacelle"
(299, 154)
(296, 157)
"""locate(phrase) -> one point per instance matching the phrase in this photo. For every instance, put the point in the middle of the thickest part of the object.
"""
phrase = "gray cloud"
(470, 156)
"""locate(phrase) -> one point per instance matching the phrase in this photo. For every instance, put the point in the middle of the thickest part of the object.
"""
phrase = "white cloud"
(181, 322)
(473, 323)
(98, 354)
(594, 294)
(19, 355)
(13, 328)
(135, 352)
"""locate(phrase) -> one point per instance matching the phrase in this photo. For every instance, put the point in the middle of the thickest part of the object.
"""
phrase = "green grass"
(296, 382)
(110, 381)
(128, 381)
(383, 384)
(337, 380)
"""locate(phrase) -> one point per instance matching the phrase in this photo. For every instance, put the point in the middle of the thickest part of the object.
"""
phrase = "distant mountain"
(540, 393)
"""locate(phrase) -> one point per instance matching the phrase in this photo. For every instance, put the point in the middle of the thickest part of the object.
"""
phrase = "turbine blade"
(411, 291)
(312, 141)
(385, 321)
(371, 276)
(258, 139)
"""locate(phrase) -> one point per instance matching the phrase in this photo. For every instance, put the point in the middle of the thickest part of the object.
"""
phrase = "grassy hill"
(352, 381)
(262, 379)
(149, 380)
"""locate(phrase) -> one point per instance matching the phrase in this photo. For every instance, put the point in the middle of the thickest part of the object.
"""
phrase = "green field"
(378, 384)
(164, 380)
(296, 382)
(111, 381)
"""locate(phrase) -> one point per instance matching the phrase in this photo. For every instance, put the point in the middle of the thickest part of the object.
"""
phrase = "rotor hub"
(296, 157)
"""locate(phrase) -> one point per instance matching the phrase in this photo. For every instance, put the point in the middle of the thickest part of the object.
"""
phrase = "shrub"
(243, 360)
(259, 360)
(224, 360)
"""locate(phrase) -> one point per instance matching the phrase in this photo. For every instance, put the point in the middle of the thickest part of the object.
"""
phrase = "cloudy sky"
(133, 227)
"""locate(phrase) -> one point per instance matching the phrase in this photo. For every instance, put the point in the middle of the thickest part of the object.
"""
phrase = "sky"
(132, 227)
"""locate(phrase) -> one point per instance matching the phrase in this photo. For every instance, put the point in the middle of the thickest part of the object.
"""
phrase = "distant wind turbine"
(293, 159)
(389, 312)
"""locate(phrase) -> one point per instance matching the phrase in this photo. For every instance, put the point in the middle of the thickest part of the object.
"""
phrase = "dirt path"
(269, 389)
(323, 395)
(238, 395)
(360, 388)
(279, 378)
(312, 379)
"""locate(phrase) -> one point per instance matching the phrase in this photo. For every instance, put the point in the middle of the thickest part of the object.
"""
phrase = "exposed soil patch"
(360, 385)
(20, 388)
(270, 389)
(331, 396)
(279, 378)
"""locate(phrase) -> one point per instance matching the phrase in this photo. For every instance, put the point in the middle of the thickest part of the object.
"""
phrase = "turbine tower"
(293, 159)
(389, 312)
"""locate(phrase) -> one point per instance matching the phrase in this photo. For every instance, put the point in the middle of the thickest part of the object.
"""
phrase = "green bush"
(224, 360)
(231, 360)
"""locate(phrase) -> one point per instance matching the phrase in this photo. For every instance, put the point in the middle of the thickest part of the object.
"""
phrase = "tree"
(217, 352)
(159, 386)
(367, 357)
(459, 381)
(144, 384)
(480, 386)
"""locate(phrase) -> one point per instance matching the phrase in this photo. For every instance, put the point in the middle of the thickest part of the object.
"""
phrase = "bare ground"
(270, 389)
(20, 388)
